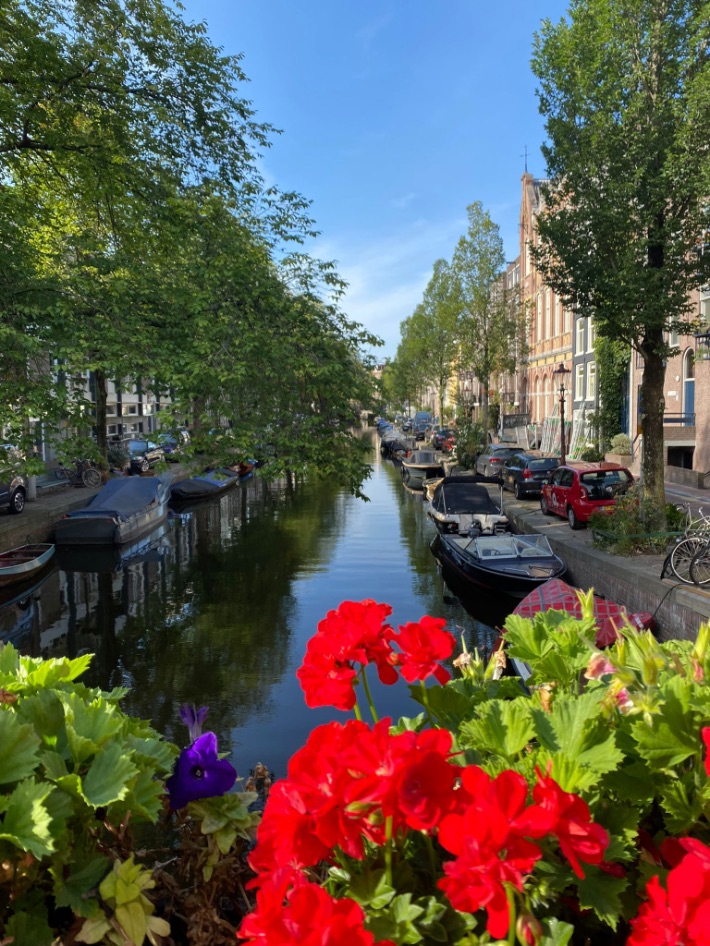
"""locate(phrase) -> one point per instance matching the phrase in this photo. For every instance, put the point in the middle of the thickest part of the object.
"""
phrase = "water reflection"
(216, 608)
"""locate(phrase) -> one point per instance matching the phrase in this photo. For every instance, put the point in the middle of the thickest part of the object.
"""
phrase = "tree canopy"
(624, 91)
(141, 242)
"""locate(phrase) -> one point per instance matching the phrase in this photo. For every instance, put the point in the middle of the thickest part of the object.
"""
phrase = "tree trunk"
(101, 387)
(653, 457)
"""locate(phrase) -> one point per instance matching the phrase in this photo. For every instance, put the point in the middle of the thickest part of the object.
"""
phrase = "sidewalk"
(54, 499)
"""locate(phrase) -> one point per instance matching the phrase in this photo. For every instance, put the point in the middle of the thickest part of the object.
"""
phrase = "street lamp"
(560, 373)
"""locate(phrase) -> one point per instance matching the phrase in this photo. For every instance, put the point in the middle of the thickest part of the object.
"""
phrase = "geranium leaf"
(556, 933)
(682, 804)
(504, 727)
(601, 892)
(106, 780)
(143, 799)
(29, 929)
(72, 888)
(371, 889)
(18, 748)
(26, 823)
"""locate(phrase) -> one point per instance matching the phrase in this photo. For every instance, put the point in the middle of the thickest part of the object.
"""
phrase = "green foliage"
(73, 768)
(620, 443)
(470, 441)
(634, 525)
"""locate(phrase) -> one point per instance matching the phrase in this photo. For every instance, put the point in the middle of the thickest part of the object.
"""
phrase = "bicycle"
(696, 536)
(83, 474)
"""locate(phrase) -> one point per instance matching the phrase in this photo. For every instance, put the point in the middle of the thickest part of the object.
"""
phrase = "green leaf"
(133, 920)
(93, 930)
(682, 803)
(370, 889)
(18, 748)
(29, 929)
(75, 883)
(503, 727)
(556, 932)
(397, 921)
(106, 780)
(601, 892)
(26, 823)
(672, 737)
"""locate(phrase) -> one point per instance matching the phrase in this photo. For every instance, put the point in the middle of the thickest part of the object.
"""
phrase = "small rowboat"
(23, 562)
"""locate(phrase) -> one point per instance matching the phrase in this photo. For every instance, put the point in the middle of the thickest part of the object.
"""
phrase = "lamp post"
(560, 373)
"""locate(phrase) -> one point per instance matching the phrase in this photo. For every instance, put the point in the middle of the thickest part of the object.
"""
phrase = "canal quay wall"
(634, 581)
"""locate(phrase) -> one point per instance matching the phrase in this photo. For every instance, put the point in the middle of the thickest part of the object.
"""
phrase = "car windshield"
(137, 446)
(506, 452)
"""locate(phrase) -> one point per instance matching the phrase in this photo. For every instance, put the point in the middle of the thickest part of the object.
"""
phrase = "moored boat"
(460, 504)
(126, 509)
(419, 466)
(23, 562)
(205, 485)
(510, 565)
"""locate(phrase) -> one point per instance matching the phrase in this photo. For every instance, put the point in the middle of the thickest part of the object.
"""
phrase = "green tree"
(436, 324)
(624, 90)
(489, 316)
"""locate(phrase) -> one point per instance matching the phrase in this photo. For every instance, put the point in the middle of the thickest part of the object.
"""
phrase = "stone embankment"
(634, 581)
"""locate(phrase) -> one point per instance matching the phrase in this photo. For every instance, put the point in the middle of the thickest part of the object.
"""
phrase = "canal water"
(216, 608)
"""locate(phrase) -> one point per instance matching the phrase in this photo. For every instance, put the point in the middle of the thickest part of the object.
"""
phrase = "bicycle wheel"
(700, 565)
(682, 556)
(91, 477)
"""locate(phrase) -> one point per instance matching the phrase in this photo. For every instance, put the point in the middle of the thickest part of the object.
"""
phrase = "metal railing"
(684, 420)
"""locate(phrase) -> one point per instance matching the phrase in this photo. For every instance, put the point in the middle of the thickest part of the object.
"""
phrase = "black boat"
(459, 504)
(205, 485)
(508, 564)
(126, 509)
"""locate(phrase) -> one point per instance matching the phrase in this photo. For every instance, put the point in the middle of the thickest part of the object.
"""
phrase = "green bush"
(591, 455)
(470, 441)
(620, 443)
(633, 527)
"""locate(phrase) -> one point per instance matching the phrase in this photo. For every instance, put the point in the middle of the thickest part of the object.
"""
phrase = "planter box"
(622, 459)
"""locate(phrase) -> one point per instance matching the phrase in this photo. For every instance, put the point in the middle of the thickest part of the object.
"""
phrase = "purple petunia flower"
(200, 773)
(193, 719)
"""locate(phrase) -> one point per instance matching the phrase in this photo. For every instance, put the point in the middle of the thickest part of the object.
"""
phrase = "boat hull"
(450, 554)
(26, 561)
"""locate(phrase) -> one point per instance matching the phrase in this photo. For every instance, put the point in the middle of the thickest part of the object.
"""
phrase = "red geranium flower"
(309, 917)
(705, 733)
(567, 817)
(489, 847)
(422, 646)
(354, 634)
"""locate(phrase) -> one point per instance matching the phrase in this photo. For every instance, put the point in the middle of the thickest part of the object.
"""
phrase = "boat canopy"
(124, 496)
(462, 496)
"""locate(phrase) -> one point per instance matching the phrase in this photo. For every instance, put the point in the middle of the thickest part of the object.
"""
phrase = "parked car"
(443, 438)
(13, 484)
(490, 462)
(173, 443)
(421, 431)
(525, 473)
(576, 492)
(143, 454)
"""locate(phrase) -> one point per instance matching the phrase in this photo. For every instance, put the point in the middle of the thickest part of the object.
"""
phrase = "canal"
(216, 608)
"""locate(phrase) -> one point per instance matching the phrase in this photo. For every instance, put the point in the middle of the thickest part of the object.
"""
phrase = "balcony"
(682, 420)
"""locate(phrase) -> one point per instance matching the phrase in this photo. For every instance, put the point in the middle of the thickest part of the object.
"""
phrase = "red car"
(575, 492)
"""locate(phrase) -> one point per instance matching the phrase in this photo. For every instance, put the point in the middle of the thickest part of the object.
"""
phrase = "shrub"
(620, 443)
(591, 455)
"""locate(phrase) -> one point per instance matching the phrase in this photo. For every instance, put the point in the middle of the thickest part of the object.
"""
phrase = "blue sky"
(395, 115)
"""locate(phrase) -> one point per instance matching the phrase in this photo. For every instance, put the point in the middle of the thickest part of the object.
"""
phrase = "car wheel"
(574, 522)
(17, 501)
(517, 491)
(145, 466)
(544, 508)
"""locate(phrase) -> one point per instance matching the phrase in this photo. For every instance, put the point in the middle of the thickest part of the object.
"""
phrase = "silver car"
(13, 485)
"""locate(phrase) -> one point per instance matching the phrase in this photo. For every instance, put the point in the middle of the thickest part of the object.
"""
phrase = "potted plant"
(620, 450)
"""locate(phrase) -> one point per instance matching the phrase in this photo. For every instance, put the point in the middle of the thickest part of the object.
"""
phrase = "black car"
(525, 473)
(143, 454)
(490, 462)
(13, 484)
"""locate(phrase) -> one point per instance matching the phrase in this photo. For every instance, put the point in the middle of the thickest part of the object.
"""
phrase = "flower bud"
(528, 929)
(701, 642)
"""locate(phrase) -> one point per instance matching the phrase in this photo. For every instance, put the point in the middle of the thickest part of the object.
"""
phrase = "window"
(673, 339)
(579, 383)
(591, 380)
(548, 314)
(591, 334)
(580, 335)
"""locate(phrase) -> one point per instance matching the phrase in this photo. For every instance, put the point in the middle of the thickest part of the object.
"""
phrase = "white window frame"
(591, 381)
(579, 382)
(591, 334)
(580, 336)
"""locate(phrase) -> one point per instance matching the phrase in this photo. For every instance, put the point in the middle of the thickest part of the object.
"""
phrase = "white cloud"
(387, 278)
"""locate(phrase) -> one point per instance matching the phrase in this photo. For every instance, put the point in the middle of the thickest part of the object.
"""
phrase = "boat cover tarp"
(559, 596)
(125, 496)
(463, 496)
(203, 485)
